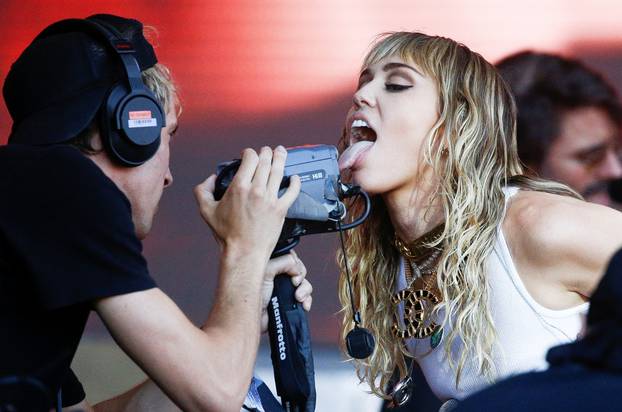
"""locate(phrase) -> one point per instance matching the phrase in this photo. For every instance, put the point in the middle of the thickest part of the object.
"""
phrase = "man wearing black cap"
(585, 375)
(81, 178)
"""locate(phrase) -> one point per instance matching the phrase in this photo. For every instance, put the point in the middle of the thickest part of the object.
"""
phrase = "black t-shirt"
(66, 238)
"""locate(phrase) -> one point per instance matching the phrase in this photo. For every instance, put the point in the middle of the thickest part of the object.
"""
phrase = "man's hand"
(249, 217)
(290, 265)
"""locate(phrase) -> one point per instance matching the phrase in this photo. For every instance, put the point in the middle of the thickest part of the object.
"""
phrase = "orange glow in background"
(252, 58)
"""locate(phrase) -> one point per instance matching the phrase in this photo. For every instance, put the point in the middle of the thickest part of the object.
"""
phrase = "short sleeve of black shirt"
(72, 227)
(66, 239)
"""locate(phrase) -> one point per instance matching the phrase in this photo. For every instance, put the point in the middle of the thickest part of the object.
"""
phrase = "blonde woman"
(465, 265)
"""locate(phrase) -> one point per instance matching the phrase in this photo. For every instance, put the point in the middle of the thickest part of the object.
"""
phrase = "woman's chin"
(368, 183)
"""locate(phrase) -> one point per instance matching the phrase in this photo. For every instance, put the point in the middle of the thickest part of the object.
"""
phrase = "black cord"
(355, 314)
(363, 216)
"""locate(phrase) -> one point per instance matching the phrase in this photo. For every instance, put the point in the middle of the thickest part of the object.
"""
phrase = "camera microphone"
(360, 342)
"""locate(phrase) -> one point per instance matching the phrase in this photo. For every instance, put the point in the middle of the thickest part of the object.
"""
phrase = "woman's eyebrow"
(396, 65)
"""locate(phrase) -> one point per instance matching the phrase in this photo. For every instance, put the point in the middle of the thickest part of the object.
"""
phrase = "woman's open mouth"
(361, 137)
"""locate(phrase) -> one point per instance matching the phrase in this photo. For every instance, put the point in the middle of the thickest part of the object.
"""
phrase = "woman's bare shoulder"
(546, 217)
(555, 231)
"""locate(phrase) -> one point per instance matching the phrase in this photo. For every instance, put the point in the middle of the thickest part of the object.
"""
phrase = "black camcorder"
(319, 206)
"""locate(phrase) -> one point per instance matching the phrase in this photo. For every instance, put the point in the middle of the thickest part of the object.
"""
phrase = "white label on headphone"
(141, 118)
(142, 123)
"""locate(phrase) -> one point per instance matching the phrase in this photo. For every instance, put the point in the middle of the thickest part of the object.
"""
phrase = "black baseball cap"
(56, 86)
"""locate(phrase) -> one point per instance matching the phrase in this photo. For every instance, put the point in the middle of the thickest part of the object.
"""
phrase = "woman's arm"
(561, 245)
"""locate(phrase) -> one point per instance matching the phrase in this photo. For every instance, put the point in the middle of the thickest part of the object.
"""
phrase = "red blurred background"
(282, 72)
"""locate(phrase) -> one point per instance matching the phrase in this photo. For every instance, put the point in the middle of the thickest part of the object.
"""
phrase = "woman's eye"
(392, 87)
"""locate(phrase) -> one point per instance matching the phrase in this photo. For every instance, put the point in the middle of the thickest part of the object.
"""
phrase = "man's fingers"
(210, 186)
(206, 188)
(287, 264)
(292, 192)
(278, 165)
(303, 291)
(204, 194)
(247, 168)
(260, 179)
(297, 279)
(306, 304)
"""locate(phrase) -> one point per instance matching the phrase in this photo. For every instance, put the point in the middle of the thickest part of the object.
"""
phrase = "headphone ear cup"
(130, 126)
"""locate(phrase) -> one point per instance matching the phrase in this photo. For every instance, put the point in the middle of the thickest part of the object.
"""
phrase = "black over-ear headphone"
(131, 118)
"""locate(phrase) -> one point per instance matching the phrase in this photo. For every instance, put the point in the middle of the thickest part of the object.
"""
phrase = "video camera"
(317, 209)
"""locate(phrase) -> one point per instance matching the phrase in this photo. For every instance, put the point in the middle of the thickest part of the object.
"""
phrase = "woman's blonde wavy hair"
(472, 150)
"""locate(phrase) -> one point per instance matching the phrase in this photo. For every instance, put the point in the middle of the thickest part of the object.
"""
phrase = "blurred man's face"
(587, 153)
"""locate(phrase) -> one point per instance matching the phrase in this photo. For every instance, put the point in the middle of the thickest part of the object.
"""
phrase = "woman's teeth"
(359, 123)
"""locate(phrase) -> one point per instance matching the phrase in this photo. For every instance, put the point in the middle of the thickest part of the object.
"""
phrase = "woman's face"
(393, 110)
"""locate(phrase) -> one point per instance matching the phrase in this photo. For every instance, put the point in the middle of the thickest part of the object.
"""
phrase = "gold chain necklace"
(422, 294)
(419, 248)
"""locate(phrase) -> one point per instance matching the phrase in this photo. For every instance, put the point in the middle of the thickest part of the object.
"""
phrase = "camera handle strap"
(290, 345)
(288, 329)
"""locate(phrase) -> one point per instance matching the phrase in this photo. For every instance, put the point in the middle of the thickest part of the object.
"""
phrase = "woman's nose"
(364, 96)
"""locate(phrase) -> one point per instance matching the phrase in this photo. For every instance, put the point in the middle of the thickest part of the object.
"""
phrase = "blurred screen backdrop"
(254, 73)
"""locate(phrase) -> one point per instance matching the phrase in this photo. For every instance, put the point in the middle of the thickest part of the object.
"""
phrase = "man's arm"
(210, 368)
(200, 369)
(147, 396)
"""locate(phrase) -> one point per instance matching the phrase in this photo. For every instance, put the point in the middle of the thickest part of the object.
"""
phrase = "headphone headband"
(108, 35)
(71, 92)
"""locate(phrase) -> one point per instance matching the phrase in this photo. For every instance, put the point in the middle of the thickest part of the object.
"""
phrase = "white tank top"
(525, 329)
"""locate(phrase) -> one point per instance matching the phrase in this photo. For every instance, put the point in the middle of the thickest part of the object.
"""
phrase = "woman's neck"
(411, 210)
